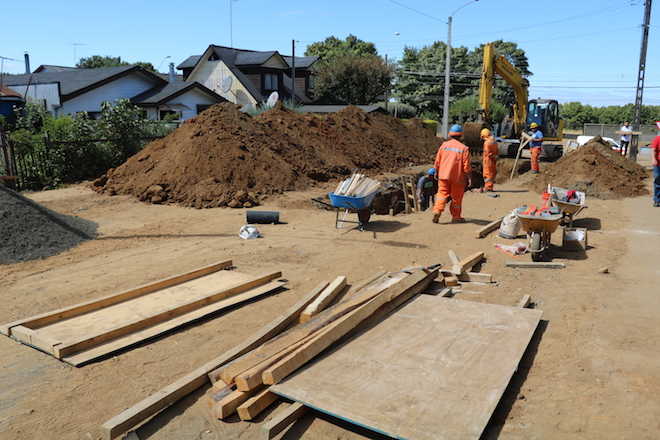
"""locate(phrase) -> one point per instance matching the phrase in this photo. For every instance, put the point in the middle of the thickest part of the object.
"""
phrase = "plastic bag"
(248, 232)
(518, 248)
(510, 226)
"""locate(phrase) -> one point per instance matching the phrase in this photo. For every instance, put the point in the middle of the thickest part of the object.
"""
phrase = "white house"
(66, 91)
(248, 77)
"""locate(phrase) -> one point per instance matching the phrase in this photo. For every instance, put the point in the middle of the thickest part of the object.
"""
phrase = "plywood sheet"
(435, 369)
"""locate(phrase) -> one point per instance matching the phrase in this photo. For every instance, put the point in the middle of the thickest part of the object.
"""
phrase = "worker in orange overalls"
(452, 168)
(490, 154)
(535, 146)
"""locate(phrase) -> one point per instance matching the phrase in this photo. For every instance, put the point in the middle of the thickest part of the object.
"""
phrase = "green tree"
(97, 61)
(352, 79)
(333, 47)
(420, 76)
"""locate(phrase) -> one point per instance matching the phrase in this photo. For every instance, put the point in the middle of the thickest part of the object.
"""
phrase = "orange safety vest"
(452, 162)
(490, 149)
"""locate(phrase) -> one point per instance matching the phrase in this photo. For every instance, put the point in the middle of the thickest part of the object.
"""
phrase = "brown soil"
(227, 158)
(597, 170)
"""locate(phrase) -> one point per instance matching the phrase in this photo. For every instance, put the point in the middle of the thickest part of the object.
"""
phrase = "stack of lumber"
(358, 185)
(242, 386)
(461, 270)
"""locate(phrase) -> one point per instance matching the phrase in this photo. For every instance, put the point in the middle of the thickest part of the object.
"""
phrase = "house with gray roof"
(249, 77)
(67, 90)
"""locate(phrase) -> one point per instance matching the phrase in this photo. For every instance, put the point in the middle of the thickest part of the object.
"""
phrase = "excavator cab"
(545, 112)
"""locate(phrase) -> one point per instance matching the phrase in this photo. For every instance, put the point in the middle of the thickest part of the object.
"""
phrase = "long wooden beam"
(490, 227)
(283, 419)
(324, 299)
(47, 318)
(467, 263)
(185, 385)
(535, 264)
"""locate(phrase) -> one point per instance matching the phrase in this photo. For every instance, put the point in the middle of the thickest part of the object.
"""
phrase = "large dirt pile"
(595, 169)
(30, 231)
(227, 158)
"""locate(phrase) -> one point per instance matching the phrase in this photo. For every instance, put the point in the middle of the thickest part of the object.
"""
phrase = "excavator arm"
(497, 64)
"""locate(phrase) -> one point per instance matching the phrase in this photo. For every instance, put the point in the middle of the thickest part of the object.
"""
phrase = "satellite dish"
(241, 98)
(272, 99)
(247, 108)
(225, 84)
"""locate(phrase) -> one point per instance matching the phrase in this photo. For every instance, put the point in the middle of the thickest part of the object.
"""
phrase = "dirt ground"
(592, 370)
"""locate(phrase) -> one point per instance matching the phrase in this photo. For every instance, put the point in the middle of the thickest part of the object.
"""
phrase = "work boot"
(458, 220)
(656, 204)
(436, 217)
(534, 172)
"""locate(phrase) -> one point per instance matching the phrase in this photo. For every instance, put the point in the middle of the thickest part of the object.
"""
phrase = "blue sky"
(579, 50)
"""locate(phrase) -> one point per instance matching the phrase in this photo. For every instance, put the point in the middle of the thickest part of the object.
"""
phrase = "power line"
(416, 11)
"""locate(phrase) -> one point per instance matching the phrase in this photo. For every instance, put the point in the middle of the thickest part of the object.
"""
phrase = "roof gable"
(75, 82)
(160, 95)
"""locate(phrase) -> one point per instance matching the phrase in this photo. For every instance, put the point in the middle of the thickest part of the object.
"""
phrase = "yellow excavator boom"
(497, 64)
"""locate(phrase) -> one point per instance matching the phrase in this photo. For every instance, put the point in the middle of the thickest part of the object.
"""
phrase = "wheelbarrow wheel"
(364, 215)
(535, 246)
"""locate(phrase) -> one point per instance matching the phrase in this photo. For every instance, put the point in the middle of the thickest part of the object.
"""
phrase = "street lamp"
(445, 106)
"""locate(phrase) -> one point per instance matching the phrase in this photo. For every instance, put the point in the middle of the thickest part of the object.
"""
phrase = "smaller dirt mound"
(30, 231)
(597, 170)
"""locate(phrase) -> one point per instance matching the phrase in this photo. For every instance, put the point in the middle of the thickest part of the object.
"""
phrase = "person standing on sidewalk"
(625, 138)
(535, 147)
(655, 161)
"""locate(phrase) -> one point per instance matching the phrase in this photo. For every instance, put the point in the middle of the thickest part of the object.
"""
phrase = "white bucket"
(510, 226)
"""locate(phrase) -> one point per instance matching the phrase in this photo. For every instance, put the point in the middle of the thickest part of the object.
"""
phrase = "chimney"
(27, 63)
(172, 75)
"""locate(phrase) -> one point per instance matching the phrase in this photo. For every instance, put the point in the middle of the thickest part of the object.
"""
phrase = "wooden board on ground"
(434, 369)
(490, 227)
(535, 264)
(90, 330)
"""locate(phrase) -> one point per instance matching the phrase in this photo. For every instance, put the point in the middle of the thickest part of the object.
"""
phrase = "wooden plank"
(252, 378)
(253, 406)
(69, 347)
(450, 279)
(301, 331)
(324, 299)
(467, 263)
(224, 404)
(453, 258)
(475, 277)
(185, 385)
(407, 288)
(43, 319)
(104, 349)
(318, 289)
(451, 360)
(283, 419)
(535, 264)
(364, 283)
(490, 227)
(405, 195)
(524, 301)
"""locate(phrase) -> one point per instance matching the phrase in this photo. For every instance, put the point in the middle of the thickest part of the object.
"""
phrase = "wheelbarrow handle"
(322, 202)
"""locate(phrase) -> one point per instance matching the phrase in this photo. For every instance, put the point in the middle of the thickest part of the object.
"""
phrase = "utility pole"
(387, 91)
(293, 72)
(445, 102)
(640, 78)
(231, 23)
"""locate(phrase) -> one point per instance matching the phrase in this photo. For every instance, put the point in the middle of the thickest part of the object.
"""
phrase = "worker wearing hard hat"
(490, 153)
(427, 186)
(452, 168)
(535, 146)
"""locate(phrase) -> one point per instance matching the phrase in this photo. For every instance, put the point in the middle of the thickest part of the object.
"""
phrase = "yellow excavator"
(544, 112)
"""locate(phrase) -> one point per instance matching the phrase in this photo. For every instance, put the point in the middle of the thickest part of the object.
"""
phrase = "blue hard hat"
(431, 171)
(456, 129)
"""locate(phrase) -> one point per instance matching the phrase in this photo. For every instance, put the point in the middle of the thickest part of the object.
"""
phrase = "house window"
(270, 81)
(202, 107)
(310, 82)
(169, 115)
